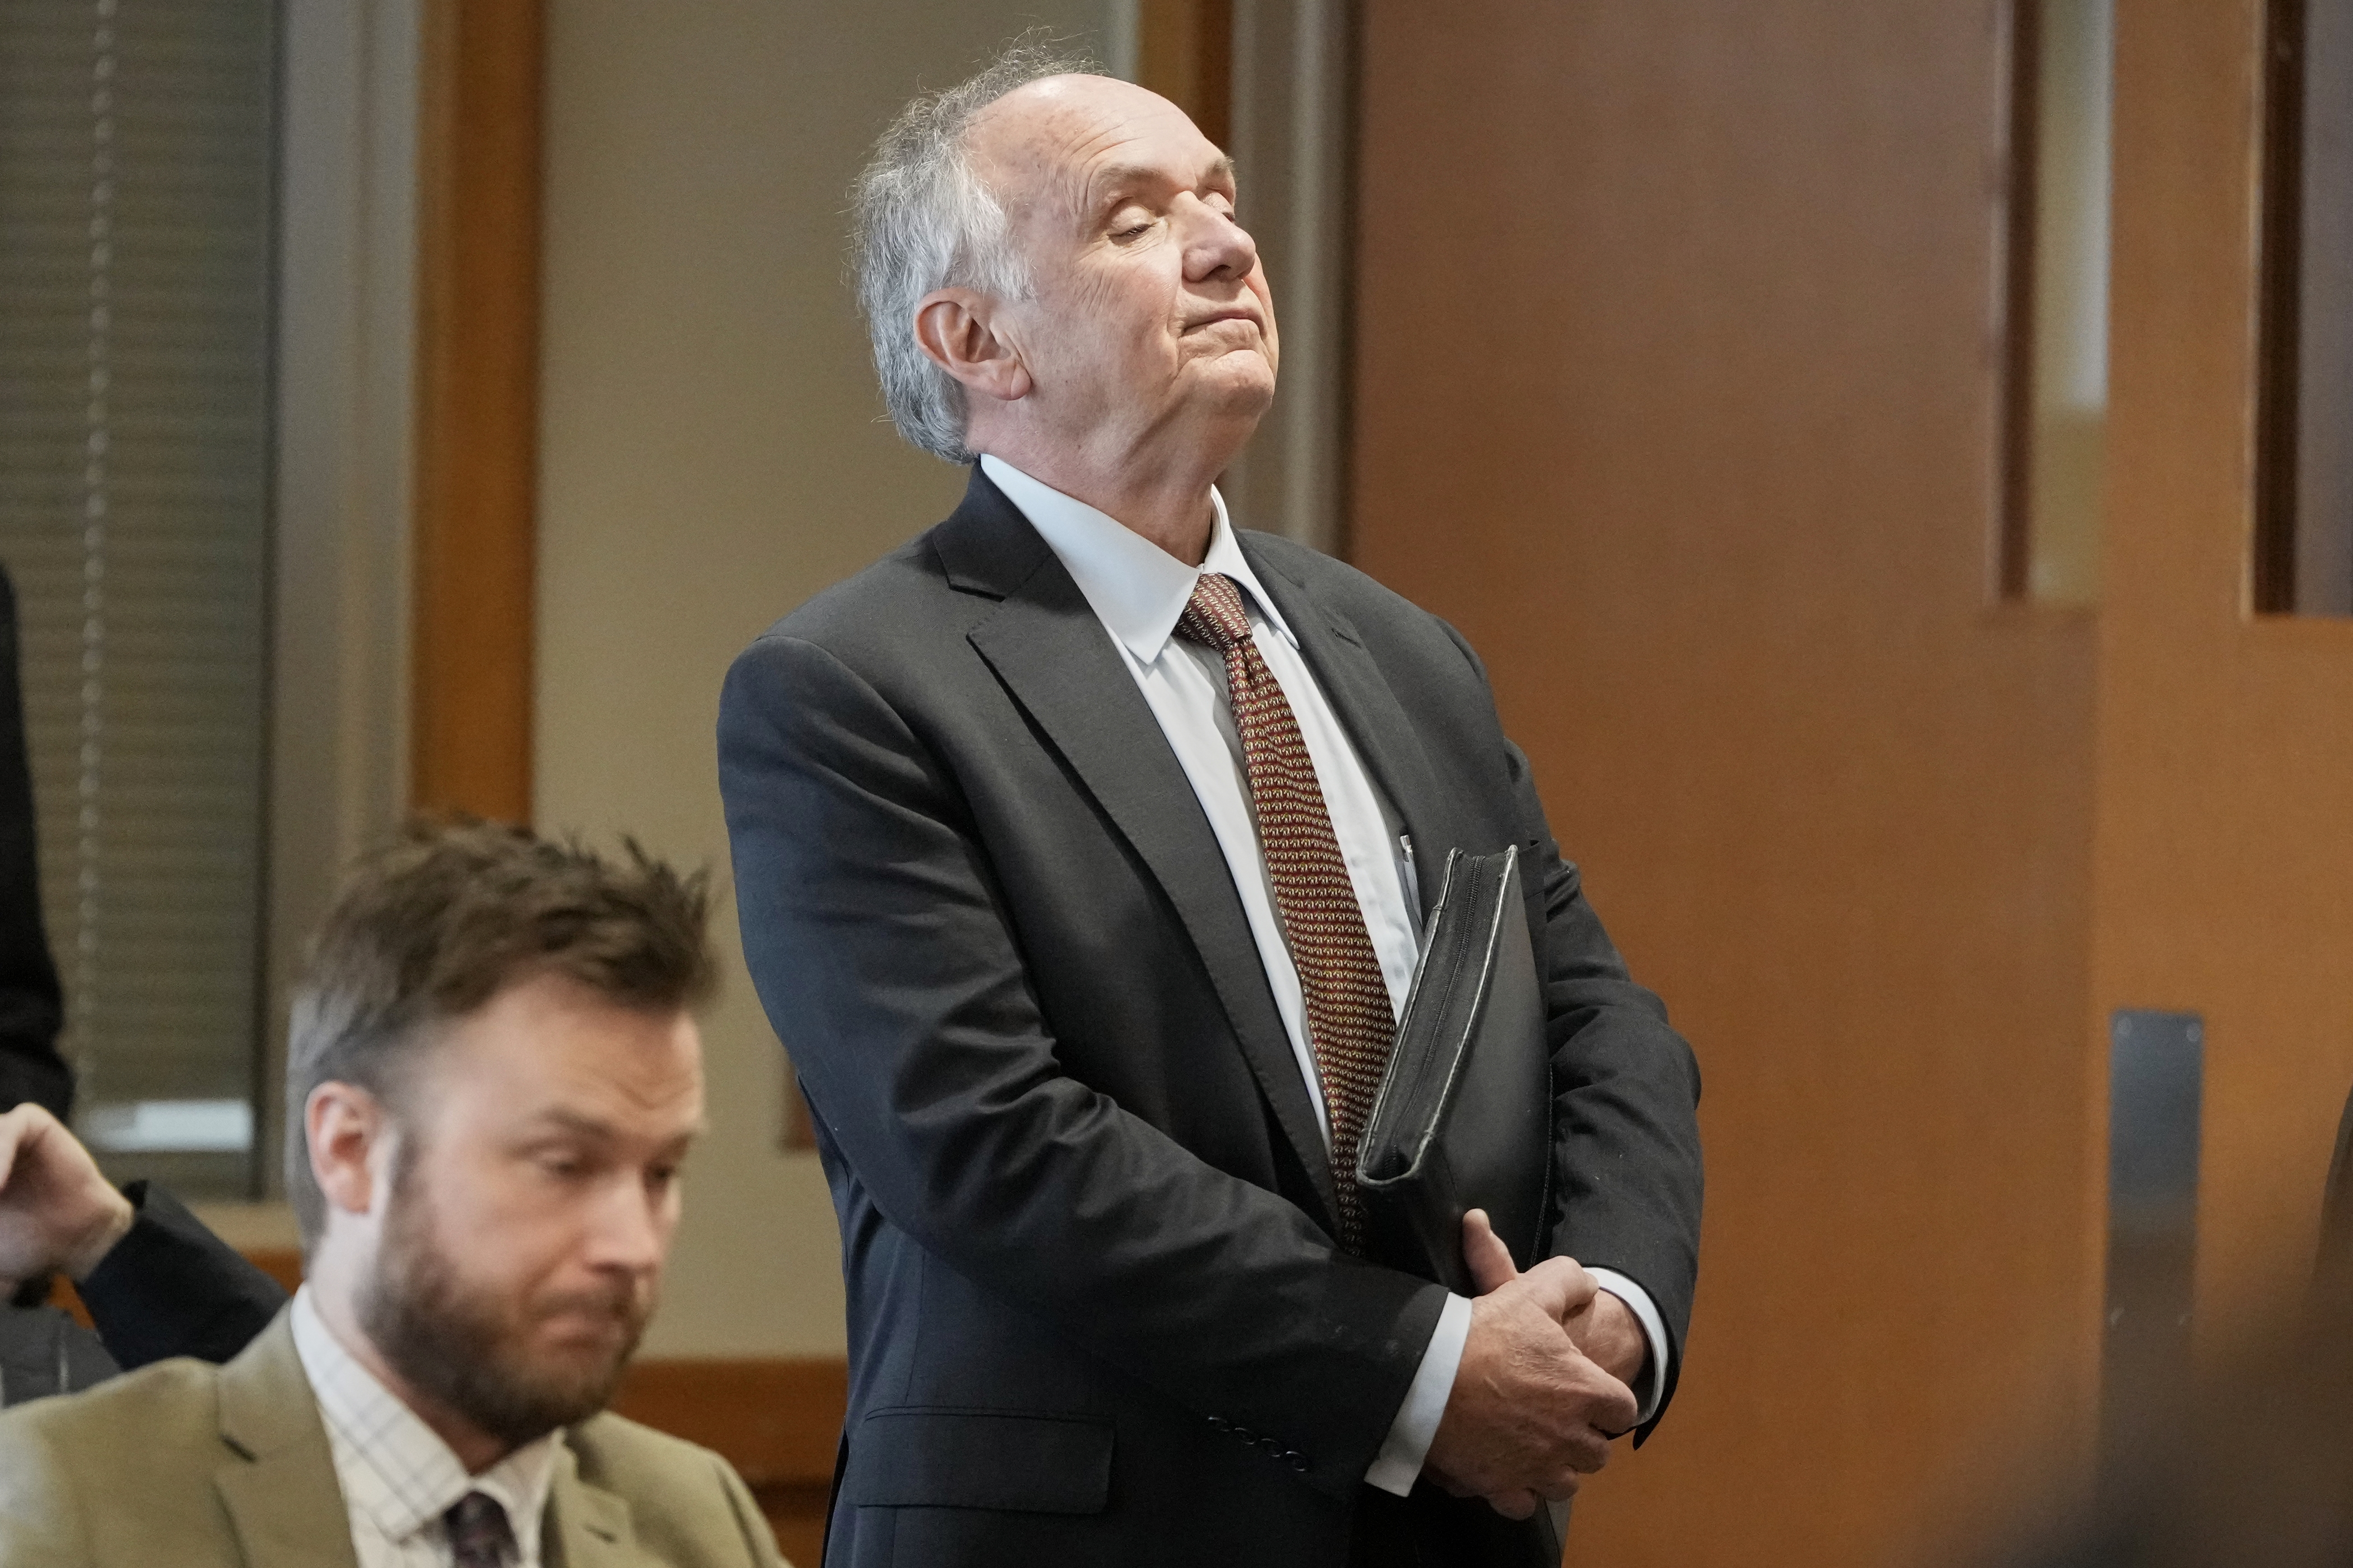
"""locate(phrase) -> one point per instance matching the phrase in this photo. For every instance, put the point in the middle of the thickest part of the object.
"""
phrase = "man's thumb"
(1489, 1259)
(1560, 1286)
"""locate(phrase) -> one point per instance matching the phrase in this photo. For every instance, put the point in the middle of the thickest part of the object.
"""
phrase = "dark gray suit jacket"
(1095, 1313)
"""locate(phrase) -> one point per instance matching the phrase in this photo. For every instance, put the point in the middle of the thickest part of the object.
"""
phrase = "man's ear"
(960, 330)
(346, 1127)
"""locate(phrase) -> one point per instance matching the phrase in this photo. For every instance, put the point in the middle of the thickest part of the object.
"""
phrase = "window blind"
(136, 158)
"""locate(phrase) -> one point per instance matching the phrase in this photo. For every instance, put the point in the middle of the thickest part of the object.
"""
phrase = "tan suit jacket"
(195, 1465)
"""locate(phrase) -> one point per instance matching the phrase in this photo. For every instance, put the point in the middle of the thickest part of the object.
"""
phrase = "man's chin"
(530, 1397)
(1238, 382)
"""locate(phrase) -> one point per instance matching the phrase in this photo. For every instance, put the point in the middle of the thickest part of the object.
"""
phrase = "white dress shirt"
(1138, 591)
(398, 1477)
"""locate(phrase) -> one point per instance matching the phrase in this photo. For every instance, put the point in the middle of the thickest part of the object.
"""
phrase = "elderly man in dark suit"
(1083, 849)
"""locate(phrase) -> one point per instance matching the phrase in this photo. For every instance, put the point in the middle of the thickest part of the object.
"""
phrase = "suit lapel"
(587, 1527)
(1372, 717)
(1046, 644)
(279, 1489)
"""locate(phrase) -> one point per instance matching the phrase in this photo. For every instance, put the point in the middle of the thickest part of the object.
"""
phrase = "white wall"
(712, 453)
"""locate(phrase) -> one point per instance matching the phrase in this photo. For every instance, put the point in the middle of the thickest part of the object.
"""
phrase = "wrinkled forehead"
(1061, 142)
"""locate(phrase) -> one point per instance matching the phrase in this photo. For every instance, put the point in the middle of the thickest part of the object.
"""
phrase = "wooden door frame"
(1185, 52)
(477, 410)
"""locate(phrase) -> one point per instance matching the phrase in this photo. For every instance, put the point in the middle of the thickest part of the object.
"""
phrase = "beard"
(470, 1347)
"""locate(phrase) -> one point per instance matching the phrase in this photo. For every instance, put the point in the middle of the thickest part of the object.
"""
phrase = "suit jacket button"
(1244, 1433)
(1296, 1461)
(1219, 1424)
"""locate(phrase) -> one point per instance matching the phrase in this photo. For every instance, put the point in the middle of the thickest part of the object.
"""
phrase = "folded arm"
(172, 1288)
(157, 1283)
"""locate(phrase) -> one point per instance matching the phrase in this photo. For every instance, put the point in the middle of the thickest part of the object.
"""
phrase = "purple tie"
(478, 1536)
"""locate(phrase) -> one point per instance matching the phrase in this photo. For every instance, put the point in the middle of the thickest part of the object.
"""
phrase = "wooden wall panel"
(2224, 861)
(776, 1420)
(1676, 390)
(477, 407)
(1185, 52)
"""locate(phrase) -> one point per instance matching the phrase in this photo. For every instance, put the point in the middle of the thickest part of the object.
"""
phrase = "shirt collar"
(397, 1469)
(1136, 588)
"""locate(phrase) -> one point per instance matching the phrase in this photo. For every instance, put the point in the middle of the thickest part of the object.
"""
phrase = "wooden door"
(1678, 334)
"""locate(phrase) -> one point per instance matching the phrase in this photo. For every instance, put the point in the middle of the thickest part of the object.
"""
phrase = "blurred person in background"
(40, 1350)
(156, 1282)
(495, 1078)
(2248, 1458)
(2248, 1463)
(31, 1011)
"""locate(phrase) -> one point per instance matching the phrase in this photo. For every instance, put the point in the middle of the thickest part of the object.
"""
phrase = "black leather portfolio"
(1463, 1120)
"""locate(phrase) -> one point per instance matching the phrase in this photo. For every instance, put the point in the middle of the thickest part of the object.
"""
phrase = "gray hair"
(926, 220)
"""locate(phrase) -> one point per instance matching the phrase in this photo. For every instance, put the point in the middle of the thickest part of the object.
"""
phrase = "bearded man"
(495, 1076)
(1083, 849)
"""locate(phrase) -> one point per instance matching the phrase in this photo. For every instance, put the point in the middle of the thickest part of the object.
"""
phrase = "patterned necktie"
(478, 1536)
(1349, 1024)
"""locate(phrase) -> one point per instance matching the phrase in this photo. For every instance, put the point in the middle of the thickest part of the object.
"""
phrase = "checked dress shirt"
(401, 1482)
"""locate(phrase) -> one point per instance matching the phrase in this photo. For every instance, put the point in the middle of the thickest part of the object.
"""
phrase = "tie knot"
(1214, 616)
(478, 1536)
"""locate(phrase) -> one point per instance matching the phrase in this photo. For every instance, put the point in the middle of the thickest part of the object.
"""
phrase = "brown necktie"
(478, 1536)
(1349, 1024)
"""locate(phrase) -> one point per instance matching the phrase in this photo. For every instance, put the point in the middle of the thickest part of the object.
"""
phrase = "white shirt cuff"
(1415, 1426)
(1654, 1329)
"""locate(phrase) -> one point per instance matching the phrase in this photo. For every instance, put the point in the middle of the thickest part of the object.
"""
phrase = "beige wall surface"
(713, 453)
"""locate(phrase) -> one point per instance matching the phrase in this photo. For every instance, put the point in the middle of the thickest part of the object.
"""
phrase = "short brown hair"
(439, 919)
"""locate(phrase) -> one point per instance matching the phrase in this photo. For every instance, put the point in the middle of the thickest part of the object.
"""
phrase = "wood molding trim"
(1185, 52)
(2279, 314)
(2013, 528)
(477, 457)
(283, 1264)
(776, 1420)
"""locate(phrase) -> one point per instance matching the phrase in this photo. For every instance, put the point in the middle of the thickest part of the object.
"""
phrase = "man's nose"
(1217, 244)
(629, 1228)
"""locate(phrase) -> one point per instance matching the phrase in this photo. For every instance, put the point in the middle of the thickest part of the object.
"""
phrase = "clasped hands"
(1542, 1387)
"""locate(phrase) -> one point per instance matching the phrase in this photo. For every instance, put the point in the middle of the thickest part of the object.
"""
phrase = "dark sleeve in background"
(31, 1009)
(170, 1286)
(173, 1287)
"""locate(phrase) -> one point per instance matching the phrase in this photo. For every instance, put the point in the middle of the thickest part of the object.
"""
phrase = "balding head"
(1095, 301)
(1036, 147)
